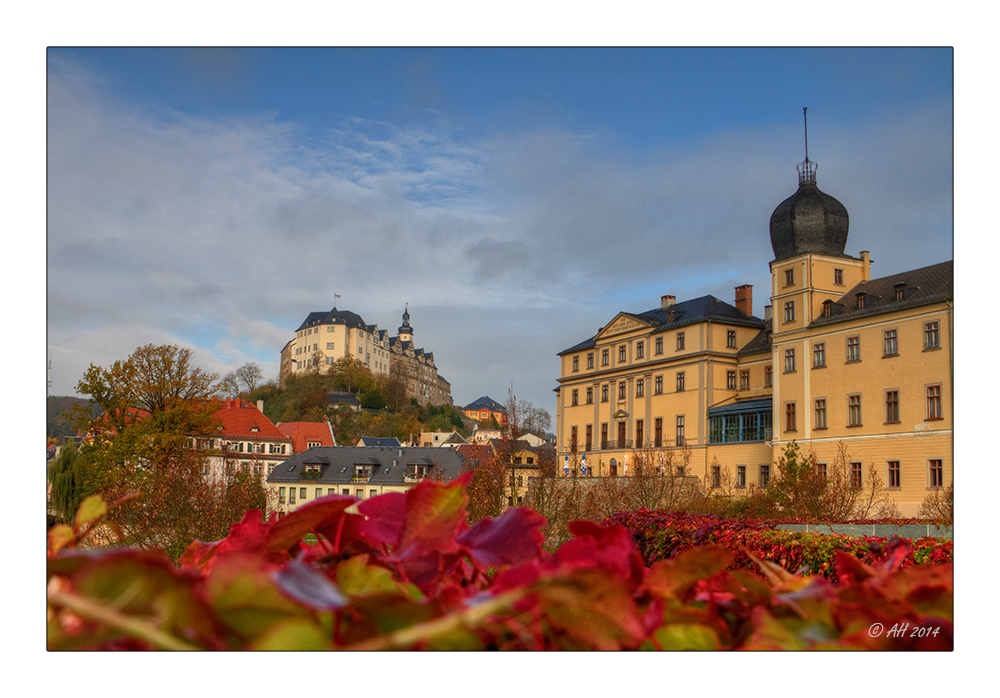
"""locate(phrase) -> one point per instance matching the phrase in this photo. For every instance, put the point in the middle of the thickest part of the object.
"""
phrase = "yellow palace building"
(845, 365)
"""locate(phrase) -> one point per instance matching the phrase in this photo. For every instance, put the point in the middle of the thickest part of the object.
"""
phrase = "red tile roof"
(241, 418)
(302, 432)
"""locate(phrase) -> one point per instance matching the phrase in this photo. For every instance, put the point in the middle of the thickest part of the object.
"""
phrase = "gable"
(623, 322)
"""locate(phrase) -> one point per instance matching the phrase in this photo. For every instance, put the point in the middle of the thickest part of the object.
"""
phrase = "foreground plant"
(405, 571)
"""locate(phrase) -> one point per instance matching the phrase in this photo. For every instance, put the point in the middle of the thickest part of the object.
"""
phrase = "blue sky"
(516, 199)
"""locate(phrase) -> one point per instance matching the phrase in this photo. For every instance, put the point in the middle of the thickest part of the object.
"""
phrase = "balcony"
(616, 445)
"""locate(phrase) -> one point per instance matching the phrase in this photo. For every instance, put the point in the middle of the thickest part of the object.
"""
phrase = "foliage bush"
(660, 535)
(405, 571)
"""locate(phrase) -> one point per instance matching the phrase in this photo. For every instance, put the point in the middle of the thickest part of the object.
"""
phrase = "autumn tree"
(153, 439)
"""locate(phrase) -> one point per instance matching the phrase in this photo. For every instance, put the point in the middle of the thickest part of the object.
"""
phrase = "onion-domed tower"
(809, 220)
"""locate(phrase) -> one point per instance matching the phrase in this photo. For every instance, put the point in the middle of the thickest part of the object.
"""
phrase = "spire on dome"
(807, 168)
(405, 331)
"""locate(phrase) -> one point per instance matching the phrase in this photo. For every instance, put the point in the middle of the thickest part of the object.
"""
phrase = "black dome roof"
(809, 221)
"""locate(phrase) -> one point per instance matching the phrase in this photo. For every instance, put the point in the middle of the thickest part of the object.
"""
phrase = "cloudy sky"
(516, 199)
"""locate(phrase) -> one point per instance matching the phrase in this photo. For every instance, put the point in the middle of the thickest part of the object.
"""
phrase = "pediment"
(620, 414)
(623, 322)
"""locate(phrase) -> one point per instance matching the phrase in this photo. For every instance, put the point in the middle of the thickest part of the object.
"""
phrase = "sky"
(515, 199)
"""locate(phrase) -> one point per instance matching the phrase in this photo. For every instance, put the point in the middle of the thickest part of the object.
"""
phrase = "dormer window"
(860, 299)
(900, 289)
(827, 308)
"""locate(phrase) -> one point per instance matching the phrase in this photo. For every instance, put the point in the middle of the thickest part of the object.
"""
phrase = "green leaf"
(293, 636)
(356, 578)
(245, 598)
(60, 536)
(687, 636)
(91, 509)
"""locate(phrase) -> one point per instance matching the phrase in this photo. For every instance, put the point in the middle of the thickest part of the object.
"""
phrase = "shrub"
(407, 572)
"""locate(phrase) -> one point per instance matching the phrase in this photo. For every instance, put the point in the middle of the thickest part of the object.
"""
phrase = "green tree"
(68, 477)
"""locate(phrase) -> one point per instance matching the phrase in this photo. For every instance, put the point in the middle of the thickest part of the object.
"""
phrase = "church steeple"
(405, 331)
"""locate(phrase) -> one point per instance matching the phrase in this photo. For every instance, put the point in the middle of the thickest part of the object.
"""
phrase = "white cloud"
(224, 234)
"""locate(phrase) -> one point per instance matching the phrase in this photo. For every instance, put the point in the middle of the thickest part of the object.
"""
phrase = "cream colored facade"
(325, 337)
(846, 362)
(646, 382)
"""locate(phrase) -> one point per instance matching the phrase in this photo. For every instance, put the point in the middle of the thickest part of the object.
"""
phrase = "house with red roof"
(306, 435)
(246, 438)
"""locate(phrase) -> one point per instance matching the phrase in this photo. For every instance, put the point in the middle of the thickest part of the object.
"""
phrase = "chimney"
(865, 266)
(744, 299)
(667, 301)
(767, 313)
(229, 403)
(260, 406)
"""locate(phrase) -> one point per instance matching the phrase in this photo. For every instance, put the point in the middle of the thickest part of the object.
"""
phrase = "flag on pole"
(583, 464)
(566, 464)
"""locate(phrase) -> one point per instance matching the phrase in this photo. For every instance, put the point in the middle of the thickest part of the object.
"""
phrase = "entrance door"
(614, 468)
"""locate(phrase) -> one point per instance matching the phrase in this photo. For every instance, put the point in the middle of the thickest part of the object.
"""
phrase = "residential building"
(440, 439)
(245, 438)
(362, 472)
(484, 409)
(845, 362)
(306, 435)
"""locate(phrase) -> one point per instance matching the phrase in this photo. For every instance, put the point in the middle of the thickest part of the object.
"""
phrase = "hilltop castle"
(325, 337)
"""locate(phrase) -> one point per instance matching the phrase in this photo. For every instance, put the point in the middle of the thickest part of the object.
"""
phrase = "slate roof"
(760, 344)
(336, 317)
(389, 465)
(379, 441)
(486, 403)
(685, 313)
(923, 286)
(349, 399)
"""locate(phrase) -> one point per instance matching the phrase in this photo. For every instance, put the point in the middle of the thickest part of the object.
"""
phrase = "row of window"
(303, 493)
(893, 474)
(933, 409)
(640, 386)
(640, 350)
(890, 347)
(621, 441)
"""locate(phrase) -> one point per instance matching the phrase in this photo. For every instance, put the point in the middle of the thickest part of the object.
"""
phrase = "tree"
(534, 420)
(939, 505)
(68, 478)
(153, 439)
(244, 380)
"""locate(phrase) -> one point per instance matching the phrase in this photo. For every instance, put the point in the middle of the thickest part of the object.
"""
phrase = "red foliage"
(406, 572)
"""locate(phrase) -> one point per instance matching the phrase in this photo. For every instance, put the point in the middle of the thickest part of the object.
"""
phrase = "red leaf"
(606, 547)
(435, 513)
(678, 574)
(850, 568)
(510, 539)
(289, 530)
(249, 535)
(384, 518)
